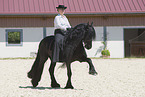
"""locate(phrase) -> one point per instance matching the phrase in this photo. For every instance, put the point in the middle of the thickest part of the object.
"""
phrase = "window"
(14, 37)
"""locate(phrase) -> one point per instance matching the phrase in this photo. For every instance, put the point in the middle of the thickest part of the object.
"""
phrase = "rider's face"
(60, 11)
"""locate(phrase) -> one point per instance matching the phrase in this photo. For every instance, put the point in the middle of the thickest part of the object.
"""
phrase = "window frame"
(14, 30)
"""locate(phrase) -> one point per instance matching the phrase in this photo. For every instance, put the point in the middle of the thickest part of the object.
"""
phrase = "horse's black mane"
(78, 32)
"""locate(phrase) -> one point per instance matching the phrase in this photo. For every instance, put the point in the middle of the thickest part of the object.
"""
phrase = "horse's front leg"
(69, 74)
(54, 83)
(69, 53)
(92, 70)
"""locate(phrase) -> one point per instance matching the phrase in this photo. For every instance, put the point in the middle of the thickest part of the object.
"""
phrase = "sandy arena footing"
(116, 78)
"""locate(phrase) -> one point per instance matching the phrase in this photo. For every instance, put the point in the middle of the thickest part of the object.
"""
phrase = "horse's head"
(89, 35)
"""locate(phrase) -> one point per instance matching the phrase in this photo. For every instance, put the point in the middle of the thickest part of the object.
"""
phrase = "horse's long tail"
(42, 56)
(34, 66)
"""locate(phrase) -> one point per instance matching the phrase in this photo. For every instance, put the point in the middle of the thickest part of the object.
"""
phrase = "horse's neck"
(80, 36)
(76, 42)
(75, 36)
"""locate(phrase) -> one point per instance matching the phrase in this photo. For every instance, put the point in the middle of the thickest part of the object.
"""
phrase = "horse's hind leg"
(54, 83)
(91, 67)
(38, 72)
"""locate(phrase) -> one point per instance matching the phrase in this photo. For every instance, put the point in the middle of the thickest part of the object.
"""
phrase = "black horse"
(74, 42)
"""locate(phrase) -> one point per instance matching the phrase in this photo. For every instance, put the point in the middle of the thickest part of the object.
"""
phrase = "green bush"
(13, 37)
(105, 52)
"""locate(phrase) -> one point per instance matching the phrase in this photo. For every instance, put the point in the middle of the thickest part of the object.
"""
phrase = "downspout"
(105, 36)
(44, 32)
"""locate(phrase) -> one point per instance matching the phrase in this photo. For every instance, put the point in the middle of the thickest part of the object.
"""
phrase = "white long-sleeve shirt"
(61, 22)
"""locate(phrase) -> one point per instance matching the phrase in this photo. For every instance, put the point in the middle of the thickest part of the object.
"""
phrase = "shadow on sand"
(39, 88)
(43, 88)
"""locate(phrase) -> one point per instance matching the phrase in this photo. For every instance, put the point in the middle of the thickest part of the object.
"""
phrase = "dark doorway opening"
(130, 33)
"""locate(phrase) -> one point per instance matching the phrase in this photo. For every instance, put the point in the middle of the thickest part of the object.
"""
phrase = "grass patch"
(118, 58)
(90, 57)
(17, 58)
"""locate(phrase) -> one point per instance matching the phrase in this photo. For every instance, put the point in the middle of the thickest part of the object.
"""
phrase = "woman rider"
(61, 24)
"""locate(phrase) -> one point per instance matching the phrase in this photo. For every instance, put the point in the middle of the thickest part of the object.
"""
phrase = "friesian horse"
(75, 42)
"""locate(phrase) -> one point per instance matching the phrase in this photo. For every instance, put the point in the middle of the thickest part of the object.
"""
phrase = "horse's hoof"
(29, 75)
(69, 87)
(55, 85)
(93, 73)
(34, 83)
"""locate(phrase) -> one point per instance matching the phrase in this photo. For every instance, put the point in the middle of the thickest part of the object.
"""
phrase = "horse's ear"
(88, 23)
(92, 24)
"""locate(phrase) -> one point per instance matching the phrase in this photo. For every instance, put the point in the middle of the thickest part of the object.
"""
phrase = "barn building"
(24, 23)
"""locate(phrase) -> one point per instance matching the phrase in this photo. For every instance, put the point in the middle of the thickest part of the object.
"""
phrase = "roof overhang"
(73, 14)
